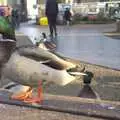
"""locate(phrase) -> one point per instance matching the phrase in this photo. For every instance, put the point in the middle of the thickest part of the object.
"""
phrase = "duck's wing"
(40, 54)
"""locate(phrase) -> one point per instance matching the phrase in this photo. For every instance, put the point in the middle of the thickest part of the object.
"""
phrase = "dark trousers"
(15, 22)
(52, 24)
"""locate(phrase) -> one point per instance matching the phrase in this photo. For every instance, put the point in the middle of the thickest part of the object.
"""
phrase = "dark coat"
(51, 8)
(67, 14)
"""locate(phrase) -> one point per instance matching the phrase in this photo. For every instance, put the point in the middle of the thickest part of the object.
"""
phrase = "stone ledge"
(72, 105)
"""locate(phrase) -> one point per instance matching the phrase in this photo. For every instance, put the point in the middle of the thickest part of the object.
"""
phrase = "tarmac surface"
(8, 112)
(85, 42)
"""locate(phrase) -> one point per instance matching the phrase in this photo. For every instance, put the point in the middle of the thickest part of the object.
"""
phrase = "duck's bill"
(77, 73)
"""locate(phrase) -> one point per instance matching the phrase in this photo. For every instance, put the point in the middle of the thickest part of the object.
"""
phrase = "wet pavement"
(82, 42)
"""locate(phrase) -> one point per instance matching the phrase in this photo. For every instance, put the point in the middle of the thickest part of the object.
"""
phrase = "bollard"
(6, 49)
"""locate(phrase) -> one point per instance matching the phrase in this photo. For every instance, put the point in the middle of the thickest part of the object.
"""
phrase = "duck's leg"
(27, 96)
(22, 95)
(39, 97)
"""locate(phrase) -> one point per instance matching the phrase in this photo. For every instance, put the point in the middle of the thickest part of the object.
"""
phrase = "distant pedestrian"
(67, 16)
(15, 18)
(51, 12)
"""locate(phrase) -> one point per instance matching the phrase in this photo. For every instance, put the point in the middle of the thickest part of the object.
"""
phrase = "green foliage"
(5, 26)
(92, 19)
(85, 18)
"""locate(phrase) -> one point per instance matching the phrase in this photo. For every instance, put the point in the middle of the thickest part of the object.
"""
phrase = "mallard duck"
(44, 43)
(28, 66)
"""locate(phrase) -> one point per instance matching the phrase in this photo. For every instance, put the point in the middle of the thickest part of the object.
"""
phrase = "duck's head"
(44, 35)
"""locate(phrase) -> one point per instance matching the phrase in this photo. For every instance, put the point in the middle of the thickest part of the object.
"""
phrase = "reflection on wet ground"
(104, 85)
(87, 92)
(98, 49)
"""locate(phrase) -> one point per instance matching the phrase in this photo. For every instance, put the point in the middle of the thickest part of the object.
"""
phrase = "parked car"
(116, 13)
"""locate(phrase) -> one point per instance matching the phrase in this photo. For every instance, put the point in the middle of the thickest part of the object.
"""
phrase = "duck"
(30, 66)
(45, 43)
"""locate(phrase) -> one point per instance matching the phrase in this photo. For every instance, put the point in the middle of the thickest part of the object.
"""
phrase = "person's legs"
(55, 29)
(17, 22)
(50, 26)
(13, 22)
(51, 30)
(68, 22)
(54, 25)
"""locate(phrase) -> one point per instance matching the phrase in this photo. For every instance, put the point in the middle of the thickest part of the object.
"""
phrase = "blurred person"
(67, 16)
(15, 18)
(51, 12)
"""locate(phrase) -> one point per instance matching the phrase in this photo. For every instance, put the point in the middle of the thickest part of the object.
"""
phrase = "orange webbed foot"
(27, 96)
(22, 95)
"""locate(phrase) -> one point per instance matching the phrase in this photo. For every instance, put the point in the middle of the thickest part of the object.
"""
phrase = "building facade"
(3, 2)
(85, 1)
(21, 5)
